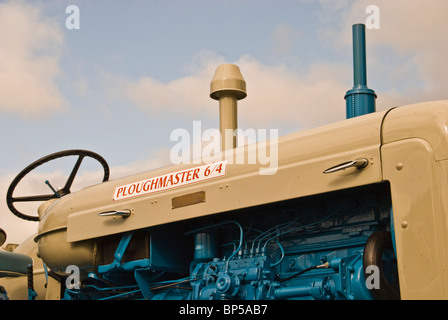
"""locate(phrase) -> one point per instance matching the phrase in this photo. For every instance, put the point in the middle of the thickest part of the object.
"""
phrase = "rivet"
(399, 166)
(404, 224)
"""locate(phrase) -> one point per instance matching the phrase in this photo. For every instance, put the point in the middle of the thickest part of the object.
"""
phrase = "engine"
(331, 246)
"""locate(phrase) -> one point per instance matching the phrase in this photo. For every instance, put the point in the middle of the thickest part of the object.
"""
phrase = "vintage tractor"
(353, 210)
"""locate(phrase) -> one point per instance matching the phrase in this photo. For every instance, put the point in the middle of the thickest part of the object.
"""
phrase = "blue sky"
(137, 70)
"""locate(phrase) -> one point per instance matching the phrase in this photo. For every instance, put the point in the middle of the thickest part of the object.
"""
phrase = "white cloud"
(417, 30)
(405, 65)
(159, 159)
(406, 56)
(275, 93)
(29, 54)
(187, 95)
(405, 61)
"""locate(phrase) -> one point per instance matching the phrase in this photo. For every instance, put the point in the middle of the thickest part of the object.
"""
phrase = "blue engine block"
(314, 248)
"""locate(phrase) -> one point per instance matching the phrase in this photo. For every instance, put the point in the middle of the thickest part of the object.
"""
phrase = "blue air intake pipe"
(359, 100)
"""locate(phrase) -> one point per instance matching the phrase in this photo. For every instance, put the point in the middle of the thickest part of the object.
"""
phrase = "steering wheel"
(10, 199)
(2, 236)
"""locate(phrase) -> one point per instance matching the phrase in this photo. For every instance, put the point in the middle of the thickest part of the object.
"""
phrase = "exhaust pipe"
(360, 100)
(228, 86)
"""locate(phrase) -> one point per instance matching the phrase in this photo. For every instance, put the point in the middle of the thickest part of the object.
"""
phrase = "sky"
(131, 72)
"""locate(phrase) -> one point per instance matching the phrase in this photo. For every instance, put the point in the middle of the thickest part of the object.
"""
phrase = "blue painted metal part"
(251, 278)
(119, 252)
(344, 280)
(360, 100)
(392, 230)
(31, 294)
(313, 252)
(3, 294)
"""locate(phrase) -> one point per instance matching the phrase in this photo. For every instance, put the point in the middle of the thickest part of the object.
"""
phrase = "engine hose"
(377, 243)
